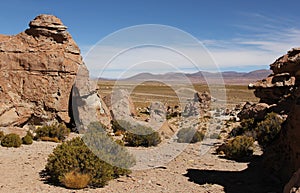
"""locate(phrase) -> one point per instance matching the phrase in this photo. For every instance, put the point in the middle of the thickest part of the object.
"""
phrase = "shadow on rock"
(251, 180)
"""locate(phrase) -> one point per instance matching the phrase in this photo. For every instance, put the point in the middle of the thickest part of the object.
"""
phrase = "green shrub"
(268, 129)
(27, 139)
(1, 135)
(108, 150)
(59, 131)
(247, 126)
(93, 160)
(139, 135)
(264, 131)
(189, 135)
(11, 140)
(237, 148)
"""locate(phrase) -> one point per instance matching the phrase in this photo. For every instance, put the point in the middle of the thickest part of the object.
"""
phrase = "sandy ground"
(188, 172)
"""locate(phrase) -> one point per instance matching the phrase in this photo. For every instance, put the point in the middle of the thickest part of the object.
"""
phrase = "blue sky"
(240, 35)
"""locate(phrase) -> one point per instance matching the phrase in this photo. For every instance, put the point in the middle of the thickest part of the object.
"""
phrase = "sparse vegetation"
(247, 127)
(107, 149)
(264, 131)
(268, 129)
(27, 139)
(1, 135)
(55, 132)
(140, 135)
(189, 135)
(136, 134)
(74, 165)
(11, 140)
(237, 148)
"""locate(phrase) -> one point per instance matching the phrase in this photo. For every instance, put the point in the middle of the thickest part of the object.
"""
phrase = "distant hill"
(229, 77)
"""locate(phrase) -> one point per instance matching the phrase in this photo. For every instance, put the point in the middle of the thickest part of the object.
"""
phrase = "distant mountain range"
(229, 77)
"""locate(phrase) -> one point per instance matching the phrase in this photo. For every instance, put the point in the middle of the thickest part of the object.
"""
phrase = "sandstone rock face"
(252, 110)
(38, 68)
(281, 91)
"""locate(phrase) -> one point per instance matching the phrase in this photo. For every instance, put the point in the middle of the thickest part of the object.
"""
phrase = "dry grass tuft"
(75, 180)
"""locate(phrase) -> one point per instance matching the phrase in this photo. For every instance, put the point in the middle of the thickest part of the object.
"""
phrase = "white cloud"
(260, 47)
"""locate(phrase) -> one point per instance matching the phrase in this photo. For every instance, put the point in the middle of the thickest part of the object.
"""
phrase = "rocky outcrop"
(293, 186)
(281, 91)
(252, 110)
(87, 105)
(120, 104)
(198, 105)
(38, 68)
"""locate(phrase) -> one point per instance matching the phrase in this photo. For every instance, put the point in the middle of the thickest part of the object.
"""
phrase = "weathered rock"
(38, 68)
(293, 186)
(281, 89)
(198, 105)
(252, 110)
(288, 63)
(120, 104)
(157, 112)
(272, 89)
(87, 104)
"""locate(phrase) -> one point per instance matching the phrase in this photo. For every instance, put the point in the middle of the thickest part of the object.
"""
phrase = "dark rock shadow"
(251, 180)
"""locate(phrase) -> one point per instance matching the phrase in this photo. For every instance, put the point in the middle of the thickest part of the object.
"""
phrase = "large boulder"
(38, 69)
(253, 110)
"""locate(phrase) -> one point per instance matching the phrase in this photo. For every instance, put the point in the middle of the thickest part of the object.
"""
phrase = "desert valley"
(64, 132)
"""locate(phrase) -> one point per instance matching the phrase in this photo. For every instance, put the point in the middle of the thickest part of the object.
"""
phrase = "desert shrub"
(107, 149)
(189, 135)
(120, 126)
(59, 131)
(139, 135)
(27, 139)
(1, 135)
(120, 142)
(247, 126)
(237, 148)
(11, 140)
(75, 180)
(74, 158)
(136, 134)
(268, 129)
(51, 139)
(264, 131)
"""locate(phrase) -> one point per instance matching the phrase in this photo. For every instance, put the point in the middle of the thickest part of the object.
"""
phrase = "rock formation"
(120, 104)
(198, 105)
(38, 68)
(281, 91)
(252, 110)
